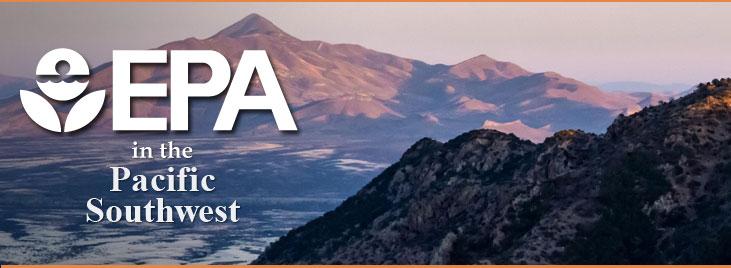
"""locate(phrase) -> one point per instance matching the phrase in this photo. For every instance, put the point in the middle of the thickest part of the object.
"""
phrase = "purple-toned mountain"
(9, 85)
(349, 89)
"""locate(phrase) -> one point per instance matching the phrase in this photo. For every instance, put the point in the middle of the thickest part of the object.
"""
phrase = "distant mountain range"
(635, 86)
(648, 93)
(347, 89)
(654, 189)
(10, 85)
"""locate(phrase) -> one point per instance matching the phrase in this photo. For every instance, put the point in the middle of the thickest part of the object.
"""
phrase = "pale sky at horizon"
(593, 42)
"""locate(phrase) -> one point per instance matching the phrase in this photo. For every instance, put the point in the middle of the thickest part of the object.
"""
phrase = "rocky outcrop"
(653, 189)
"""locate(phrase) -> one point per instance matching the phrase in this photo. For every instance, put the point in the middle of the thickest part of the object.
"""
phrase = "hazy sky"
(593, 42)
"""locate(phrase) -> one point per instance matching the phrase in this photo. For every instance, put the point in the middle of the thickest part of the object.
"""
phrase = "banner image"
(365, 133)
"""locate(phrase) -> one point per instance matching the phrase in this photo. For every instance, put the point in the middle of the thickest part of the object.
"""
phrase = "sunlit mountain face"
(346, 89)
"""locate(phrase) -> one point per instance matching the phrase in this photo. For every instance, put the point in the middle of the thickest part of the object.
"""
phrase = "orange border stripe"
(373, 1)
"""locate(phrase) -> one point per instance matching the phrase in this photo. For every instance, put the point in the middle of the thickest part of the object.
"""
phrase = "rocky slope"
(348, 89)
(653, 189)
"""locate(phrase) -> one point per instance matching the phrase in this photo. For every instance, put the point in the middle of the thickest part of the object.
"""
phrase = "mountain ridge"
(380, 90)
(654, 189)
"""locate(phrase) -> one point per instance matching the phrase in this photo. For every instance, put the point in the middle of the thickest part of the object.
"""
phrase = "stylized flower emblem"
(40, 110)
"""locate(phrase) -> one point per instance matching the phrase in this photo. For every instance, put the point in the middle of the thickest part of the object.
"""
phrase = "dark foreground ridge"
(653, 189)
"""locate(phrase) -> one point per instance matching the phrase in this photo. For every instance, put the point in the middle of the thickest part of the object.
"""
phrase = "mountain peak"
(482, 58)
(252, 24)
(551, 74)
(483, 67)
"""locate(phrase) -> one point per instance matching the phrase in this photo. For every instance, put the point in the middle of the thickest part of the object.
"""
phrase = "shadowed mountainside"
(653, 189)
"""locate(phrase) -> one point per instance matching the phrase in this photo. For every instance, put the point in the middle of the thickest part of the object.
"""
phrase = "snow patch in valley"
(313, 154)
(356, 165)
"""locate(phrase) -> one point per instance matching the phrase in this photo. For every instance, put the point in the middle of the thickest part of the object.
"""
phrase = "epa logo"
(82, 112)
(181, 90)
